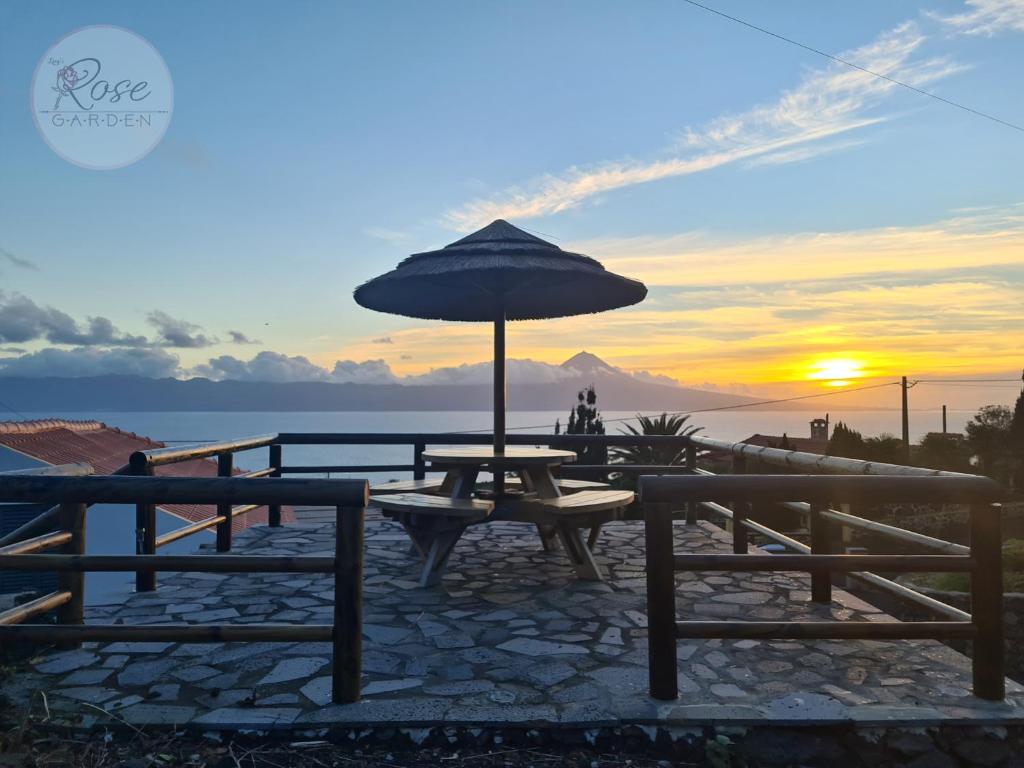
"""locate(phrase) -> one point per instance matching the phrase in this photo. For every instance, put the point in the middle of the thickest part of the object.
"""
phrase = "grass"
(1013, 573)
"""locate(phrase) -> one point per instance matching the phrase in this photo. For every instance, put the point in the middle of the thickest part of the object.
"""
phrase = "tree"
(885, 448)
(988, 436)
(944, 451)
(585, 419)
(1017, 442)
(846, 442)
(655, 454)
(785, 445)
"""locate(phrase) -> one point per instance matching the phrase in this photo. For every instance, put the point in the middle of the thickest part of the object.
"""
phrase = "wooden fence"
(72, 494)
(984, 625)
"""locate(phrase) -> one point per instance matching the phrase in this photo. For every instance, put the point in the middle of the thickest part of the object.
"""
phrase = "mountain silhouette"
(617, 390)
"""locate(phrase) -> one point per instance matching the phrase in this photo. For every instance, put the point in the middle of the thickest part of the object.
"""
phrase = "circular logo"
(102, 97)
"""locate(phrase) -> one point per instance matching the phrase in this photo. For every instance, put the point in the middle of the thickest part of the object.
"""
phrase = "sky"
(802, 226)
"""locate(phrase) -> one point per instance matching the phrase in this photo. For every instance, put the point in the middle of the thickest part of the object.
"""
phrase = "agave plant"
(655, 454)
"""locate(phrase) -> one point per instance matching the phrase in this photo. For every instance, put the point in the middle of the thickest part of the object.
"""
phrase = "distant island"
(619, 391)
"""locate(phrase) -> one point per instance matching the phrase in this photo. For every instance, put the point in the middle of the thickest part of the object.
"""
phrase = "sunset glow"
(837, 372)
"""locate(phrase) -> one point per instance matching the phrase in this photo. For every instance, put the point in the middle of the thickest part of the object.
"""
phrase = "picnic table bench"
(434, 523)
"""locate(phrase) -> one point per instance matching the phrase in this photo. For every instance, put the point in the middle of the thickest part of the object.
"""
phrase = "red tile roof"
(106, 449)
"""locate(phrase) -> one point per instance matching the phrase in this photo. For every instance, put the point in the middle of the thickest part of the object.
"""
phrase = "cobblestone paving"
(510, 637)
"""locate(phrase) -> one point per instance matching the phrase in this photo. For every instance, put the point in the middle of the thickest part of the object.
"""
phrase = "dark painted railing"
(984, 626)
(74, 494)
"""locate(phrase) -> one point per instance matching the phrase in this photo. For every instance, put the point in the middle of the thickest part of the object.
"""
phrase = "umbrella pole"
(499, 394)
(500, 385)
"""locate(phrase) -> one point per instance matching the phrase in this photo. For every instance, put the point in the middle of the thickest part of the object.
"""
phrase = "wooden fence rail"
(74, 494)
(983, 560)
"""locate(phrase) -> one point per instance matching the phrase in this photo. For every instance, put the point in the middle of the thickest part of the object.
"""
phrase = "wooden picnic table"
(464, 465)
(435, 524)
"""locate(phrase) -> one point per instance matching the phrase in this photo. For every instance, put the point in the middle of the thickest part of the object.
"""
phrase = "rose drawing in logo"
(67, 78)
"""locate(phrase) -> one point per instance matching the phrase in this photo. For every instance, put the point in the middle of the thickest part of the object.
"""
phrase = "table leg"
(465, 479)
(437, 557)
(419, 538)
(548, 537)
(543, 482)
(586, 567)
(595, 532)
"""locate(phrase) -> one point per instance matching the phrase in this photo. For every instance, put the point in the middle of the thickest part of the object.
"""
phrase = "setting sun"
(836, 372)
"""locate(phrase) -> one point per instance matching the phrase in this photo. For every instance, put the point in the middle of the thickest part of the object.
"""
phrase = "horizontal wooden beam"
(244, 509)
(184, 490)
(819, 488)
(814, 462)
(172, 633)
(461, 438)
(716, 509)
(160, 456)
(188, 530)
(824, 630)
(57, 470)
(37, 544)
(19, 613)
(892, 532)
(177, 563)
(893, 563)
(314, 469)
(909, 595)
(265, 472)
(776, 536)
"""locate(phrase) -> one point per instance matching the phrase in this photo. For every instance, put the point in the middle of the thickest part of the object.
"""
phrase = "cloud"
(518, 372)
(826, 103)
(801, 154)
(280, 368)
(989, 236)
(88, 361)
(366, 372)
(237, 337)
(22, 320)
(384, 340)
(17, 261)
(986, 17)
(175, 332)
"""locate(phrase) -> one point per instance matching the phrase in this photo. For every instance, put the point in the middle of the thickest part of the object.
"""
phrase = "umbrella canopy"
(498, 273)
(498, 266)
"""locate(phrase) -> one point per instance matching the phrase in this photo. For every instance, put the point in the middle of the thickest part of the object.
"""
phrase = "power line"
(711, 410)
(15, 411)
(850, 64)
(965, 381)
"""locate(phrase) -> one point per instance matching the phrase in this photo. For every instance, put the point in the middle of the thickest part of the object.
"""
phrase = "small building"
(110, 528)
(816, 443)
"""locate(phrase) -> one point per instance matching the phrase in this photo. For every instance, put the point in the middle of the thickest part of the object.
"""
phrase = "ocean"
(202, 426)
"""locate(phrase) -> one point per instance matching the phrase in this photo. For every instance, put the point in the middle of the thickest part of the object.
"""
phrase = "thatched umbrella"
(496, 274)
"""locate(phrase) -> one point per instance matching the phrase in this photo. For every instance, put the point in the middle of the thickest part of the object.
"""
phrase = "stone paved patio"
(509, 638)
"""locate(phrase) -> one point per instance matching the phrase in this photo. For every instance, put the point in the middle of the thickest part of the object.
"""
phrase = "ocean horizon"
(179, 427)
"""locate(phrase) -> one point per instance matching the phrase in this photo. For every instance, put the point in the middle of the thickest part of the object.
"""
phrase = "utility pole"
(906, 422)
(943, 419)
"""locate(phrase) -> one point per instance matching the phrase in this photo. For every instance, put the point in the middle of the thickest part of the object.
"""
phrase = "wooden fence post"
(145, 533)
(419, 471)
(274, 510)
(821, 581)
(72, 520)
(225, 465)
(691, 466)
(988, 651)
(661, 602)
(347, 663)
(740, 511)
